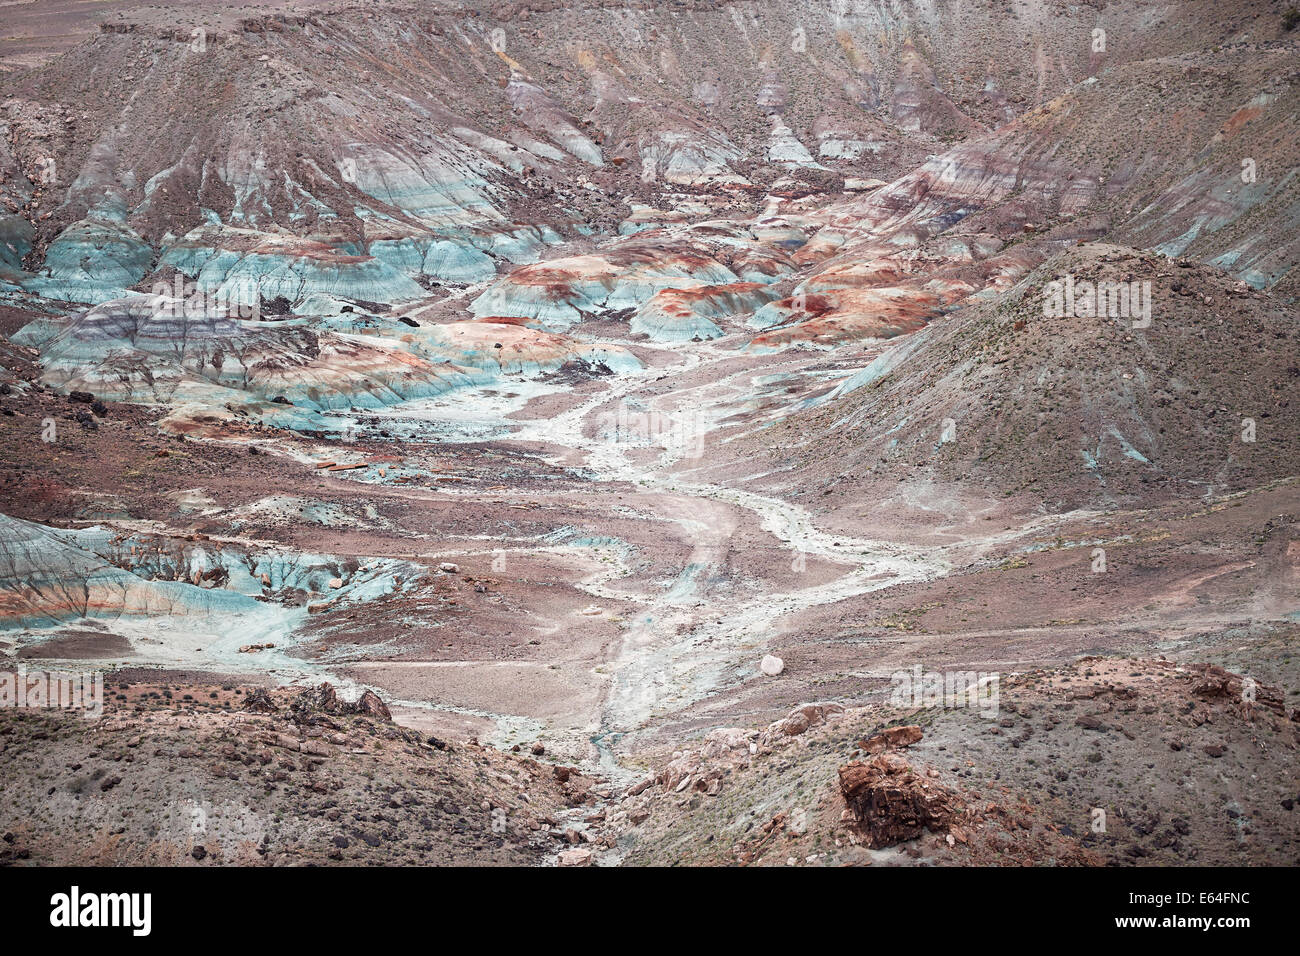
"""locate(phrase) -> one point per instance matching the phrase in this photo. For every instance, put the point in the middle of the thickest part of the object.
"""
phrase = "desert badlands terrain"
(623, 432)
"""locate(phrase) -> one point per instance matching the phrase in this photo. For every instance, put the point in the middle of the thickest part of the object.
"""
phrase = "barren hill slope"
(1074, 409)
(364, 150)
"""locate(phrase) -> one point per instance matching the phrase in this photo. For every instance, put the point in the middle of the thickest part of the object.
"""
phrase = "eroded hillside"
(620, 397)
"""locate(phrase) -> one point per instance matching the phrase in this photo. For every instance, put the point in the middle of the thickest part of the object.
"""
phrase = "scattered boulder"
(801, 718)
(314, 702)
(770, 665)
(370, 704)
(891, 738)
(259, 701)
(723, 740)
(641, 786)
(891, 803)
(1245, 694)
(578, 856)
(323, 698)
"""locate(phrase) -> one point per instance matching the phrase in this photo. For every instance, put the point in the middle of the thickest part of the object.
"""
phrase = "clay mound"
(1075, 168)
(688, 313)
(137, 349)
(1080, 409)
